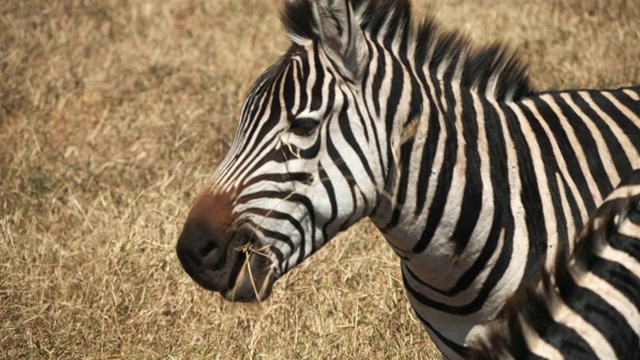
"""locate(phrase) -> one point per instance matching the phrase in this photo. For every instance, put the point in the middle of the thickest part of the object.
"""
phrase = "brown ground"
(113, 113)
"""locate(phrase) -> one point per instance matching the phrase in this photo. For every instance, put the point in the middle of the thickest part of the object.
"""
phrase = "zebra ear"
(341, 36)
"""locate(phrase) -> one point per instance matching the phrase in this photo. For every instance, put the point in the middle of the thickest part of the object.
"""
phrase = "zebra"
(588, 307)
(473, 178)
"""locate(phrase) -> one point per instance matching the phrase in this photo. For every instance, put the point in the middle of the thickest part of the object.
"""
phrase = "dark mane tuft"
(490, 69)
(297, 18)
(375, 13)
(494, 60)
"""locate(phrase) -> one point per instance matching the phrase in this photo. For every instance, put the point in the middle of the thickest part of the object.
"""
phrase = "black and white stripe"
(473, 178)
(588, 306)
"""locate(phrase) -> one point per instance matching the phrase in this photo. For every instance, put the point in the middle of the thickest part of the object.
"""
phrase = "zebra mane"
(491, 69)
(530, 310)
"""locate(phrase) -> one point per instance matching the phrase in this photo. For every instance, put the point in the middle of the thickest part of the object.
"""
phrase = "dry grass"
(113, 113)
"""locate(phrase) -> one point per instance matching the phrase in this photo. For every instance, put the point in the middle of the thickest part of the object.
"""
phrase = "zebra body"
(471, 176)
(588, 306)
(473, 258)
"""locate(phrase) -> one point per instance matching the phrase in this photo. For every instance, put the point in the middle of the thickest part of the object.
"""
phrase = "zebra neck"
(435, 204)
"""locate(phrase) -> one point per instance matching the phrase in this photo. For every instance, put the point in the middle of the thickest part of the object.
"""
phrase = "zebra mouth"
(252, 276)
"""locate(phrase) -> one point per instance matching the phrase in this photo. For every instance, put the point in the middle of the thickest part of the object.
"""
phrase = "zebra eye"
(304, 126)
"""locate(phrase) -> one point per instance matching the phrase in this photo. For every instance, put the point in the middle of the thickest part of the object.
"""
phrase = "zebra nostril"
(212, 255)
(209, 247)
(201, 244)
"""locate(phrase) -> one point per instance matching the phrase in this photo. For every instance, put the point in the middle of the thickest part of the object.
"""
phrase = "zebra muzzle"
(225, 263)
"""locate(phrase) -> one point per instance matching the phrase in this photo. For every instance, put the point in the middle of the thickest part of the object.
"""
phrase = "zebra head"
(305, 162)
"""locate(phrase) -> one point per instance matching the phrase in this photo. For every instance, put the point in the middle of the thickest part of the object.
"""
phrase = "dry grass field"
(112, 115)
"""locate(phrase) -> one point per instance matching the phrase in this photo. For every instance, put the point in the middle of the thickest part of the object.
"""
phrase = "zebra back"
(588, 305)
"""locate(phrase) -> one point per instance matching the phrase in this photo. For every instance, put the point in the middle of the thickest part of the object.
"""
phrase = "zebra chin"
(253, 282)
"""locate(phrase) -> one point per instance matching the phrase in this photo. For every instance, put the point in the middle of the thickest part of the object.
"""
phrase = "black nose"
(205, 255)
(200, 247)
